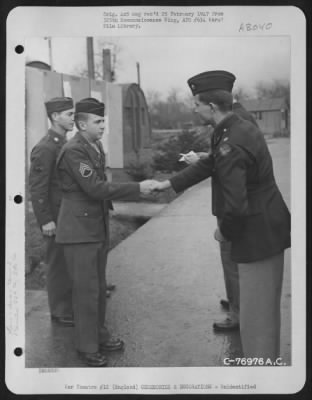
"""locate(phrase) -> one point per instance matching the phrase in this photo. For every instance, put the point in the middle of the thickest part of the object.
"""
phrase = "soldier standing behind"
(46, 200)
(83, 228)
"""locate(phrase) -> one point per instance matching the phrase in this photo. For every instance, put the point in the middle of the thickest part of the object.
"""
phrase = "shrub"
(140, 170)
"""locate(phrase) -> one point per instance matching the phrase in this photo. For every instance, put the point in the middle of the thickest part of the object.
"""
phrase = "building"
(136, 122)
(272, 115)
(128, 128)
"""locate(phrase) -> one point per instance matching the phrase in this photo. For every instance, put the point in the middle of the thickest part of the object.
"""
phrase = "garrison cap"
(211, 80)
(59, 104)
(90, 105)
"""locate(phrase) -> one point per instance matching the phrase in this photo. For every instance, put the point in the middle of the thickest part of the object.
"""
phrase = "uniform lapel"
(92, 153)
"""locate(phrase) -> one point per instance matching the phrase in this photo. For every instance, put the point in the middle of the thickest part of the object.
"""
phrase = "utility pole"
(138, 73)
(107, 65)
(90, 57)
(49, 39)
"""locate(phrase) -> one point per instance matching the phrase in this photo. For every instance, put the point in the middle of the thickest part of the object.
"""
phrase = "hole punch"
(19, 49)
(18, 351)
(18, 199)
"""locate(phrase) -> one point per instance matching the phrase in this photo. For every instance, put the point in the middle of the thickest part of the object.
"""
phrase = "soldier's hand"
(203, 154)
(49, 229)
(147, 187)
(189, 158)
(218, 236)
(161, 186)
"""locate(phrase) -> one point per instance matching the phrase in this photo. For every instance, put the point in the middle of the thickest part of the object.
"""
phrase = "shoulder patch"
(225, 149)
(85, 170)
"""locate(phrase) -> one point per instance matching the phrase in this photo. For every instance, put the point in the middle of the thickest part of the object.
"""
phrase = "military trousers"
(86, 263)
(231, 279)
(59, 285)
(260, 306)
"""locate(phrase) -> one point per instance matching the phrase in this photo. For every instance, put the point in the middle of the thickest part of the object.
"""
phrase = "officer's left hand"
(218, 236)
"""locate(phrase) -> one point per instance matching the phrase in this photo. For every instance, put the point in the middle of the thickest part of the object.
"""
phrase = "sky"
(168, 62)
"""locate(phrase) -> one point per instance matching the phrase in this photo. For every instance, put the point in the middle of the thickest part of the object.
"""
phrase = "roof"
(38, 64)
(126, 86)
(264, 104)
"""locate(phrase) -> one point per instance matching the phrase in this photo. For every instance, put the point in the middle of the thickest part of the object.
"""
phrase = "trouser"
(230, 270)
(59, 286)
(260, 311)
(87, 264)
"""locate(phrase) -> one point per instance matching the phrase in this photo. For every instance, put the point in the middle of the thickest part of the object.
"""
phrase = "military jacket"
(245, 197)
(243, 113)
(44, 186)
(87, 194)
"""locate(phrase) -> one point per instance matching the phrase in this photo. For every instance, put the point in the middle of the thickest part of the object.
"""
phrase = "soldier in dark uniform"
(46, 200)
(83, 229)
(230, 267)
(251, 211)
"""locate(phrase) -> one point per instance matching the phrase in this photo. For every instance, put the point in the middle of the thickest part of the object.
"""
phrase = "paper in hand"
(184, 156)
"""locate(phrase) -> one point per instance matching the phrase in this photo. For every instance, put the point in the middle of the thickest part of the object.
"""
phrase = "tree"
(277, 88)
(153, 98)
(240, 94)
(173, 112)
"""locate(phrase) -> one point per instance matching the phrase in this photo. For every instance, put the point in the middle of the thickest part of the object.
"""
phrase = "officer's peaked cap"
(90, 105)
(211, 80)
(59, 104)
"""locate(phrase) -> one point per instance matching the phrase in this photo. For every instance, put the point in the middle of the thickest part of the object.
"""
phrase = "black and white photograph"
(154, 241)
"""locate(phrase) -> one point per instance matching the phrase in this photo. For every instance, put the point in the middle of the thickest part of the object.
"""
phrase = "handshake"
(150, 185)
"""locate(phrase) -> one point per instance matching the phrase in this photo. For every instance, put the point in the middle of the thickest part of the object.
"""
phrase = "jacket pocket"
(87, 210)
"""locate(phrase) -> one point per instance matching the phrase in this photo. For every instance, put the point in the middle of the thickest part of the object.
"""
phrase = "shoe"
(112, 345)
(93, 359)
(226, 326)
(64, 321)
(110, 287)
(225, 304)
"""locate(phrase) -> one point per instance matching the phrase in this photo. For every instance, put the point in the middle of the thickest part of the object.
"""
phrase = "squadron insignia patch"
(225, 149)
(85, 170)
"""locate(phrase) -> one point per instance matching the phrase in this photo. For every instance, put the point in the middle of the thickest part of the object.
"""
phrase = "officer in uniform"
(46, 200)
(230, 268)
(83, 228)
(249, 206)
